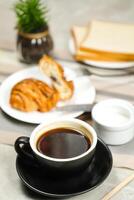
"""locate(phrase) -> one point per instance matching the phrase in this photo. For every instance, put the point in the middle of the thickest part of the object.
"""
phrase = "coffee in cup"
(63, 143)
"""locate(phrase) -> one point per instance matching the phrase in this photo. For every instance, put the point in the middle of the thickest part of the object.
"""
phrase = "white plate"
(104, 68)
(84, 93)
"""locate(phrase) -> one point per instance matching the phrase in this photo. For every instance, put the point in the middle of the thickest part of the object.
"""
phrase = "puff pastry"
(33, 95)
(55, 72)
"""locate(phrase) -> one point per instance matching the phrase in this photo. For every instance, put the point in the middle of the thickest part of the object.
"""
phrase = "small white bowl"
(113, 121)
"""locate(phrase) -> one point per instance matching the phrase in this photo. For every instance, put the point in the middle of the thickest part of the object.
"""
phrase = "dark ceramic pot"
(32, 46)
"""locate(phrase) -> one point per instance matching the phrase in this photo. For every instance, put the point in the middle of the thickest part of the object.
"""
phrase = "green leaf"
(31, 15)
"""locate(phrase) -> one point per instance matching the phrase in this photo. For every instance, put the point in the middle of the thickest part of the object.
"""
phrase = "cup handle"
(19, 143)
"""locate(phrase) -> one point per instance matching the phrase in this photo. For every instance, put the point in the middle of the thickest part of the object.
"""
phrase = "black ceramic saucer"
(59, 187)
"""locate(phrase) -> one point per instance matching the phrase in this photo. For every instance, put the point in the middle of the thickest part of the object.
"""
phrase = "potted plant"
(33, 38)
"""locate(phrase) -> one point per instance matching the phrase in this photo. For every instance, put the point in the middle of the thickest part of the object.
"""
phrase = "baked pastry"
(20, 101)
(55, 72)
(33, 95)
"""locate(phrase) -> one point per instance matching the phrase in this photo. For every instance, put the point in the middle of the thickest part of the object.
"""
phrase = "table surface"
(81, 13)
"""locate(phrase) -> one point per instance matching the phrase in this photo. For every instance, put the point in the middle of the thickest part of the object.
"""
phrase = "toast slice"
(110, 39)
(56, 73)
(80, 34)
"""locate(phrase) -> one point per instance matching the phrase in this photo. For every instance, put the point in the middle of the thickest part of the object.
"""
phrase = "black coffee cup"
(79, 130)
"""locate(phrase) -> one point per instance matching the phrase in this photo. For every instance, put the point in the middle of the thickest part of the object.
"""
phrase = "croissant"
(33, 95)
(55, 72)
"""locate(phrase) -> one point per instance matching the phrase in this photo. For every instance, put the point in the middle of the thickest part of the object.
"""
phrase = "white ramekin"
(113, 120)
